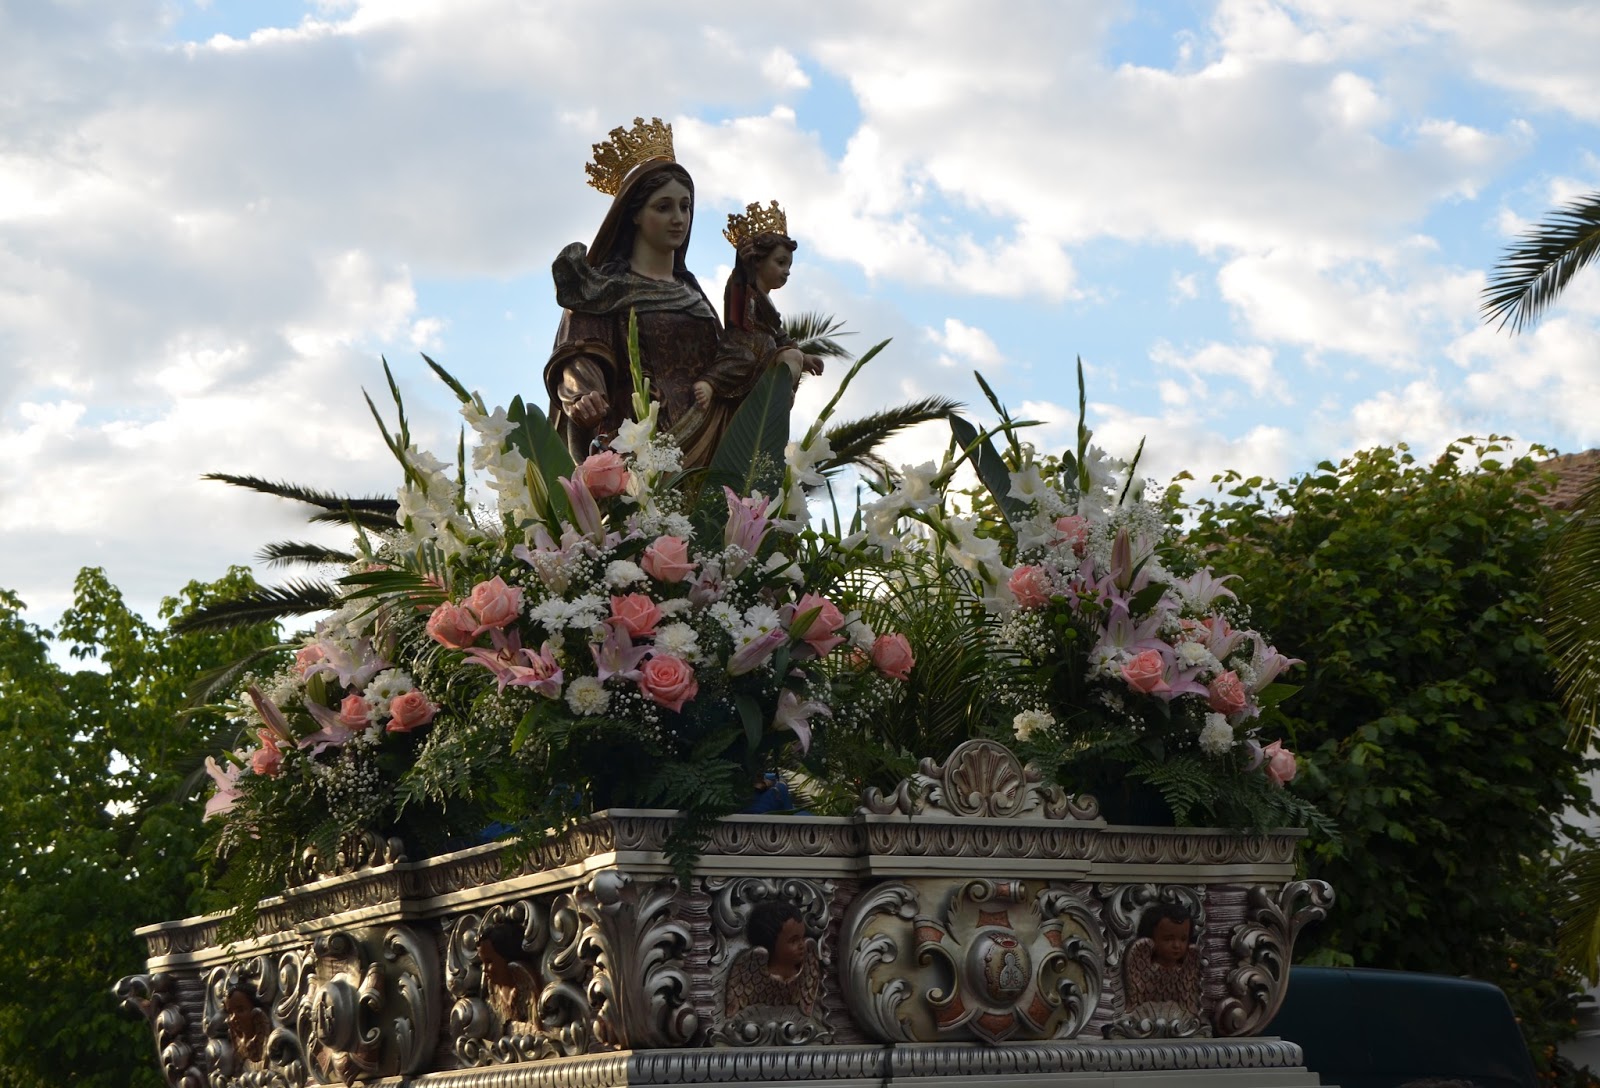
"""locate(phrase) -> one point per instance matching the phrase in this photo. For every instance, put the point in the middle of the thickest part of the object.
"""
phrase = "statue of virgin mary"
(635, 263)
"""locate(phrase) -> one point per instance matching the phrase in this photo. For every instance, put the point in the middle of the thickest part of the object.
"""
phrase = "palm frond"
(269, 604)
(1578, 915)
(854, 440)
(284, 552)
(813, 333)
(325, 500)
(372, 522)
(1536, 269)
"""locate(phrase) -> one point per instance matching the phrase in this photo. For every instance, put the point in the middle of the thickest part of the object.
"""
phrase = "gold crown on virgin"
(756, 220)
(627, 149)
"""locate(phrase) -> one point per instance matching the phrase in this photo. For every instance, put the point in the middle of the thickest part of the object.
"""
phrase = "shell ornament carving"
(992, 962)
(1262, 947)
(981, 778)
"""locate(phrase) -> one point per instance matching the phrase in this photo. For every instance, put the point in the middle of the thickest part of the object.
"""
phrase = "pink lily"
(539, 672)
(585, 511)
(748, 523)
(276, 723)
(333, 734)
(226, 779)
(795, 714)
(753, 654)
(617, 655)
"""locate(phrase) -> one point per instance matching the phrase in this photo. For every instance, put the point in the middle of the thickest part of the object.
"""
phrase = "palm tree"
(1530, 276)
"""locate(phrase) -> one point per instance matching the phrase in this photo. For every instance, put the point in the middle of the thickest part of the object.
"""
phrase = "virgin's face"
(773, 272)
(664, 220)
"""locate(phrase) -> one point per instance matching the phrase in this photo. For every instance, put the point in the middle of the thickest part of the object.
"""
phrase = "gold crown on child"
(627, 149)
(756, 220)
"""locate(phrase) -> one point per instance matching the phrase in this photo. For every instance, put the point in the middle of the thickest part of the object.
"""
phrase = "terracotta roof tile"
(1575, 472)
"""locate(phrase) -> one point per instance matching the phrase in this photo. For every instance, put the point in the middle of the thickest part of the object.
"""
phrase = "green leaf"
(1275, 693)
(546, 452)
(750, 456)
(990, 468)
(754, 722)
(445, 376)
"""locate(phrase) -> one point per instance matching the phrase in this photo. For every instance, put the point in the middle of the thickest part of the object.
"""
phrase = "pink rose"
(605, 473)
(637, 614)
(308, 657)
(495, 604)
(668, 680)
(1146, 673)
(1227, 694)
(1074, 530)
(268, 759)
(353, 712)
(1278, 763)
(1030, 586)
(892, 655)
(452, 626)
(822, 633)
(667, 559)
(410, 711)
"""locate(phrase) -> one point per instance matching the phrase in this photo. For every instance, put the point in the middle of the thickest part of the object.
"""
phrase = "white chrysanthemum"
(554, 613)
(387, 685)
(1193, 655)
(677, 525)
(1217, 736)
(762, 618)
(679, 640)
(860, 635)
(674, 606)
(587, 696)
(727, 616)
(623, 572)
(1029, 722)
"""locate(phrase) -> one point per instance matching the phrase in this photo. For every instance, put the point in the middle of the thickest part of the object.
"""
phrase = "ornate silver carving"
(368, 1004)
(992, 961)
(732, 900)
(1124, 902)
(639, 990)
(153, 998)
(541, 1010)
(981, 778)
(361, 850)
(1262, 947)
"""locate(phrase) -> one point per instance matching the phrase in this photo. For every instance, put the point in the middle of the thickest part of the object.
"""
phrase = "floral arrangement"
(614, 632)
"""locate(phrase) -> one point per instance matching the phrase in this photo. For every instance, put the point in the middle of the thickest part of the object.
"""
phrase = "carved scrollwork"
(1170, 1022)
(527, 1002)
(869, 944)
(361, 850)
(981, 778)
(153, 997)
(639, 989)
(1262, 947)
(752, 1008)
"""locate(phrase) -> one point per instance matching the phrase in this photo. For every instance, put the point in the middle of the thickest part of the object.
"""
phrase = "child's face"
(1171, 940)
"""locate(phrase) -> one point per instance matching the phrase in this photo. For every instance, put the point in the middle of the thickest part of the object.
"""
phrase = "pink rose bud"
(667, 559)
(495, 604)
(605, 474)
(637, 614)
(353, 712)
(1074, 530)
(410, 711)
(1278, 763)
(1227, 694)
(1030, 586)
(1146, 673)
(892, 655)
(822, 632)
(668, 680)
(268, 759)
(306, 658)
(453, 626)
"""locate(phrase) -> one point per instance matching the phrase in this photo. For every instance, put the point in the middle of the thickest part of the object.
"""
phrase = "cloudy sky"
(1264, 227)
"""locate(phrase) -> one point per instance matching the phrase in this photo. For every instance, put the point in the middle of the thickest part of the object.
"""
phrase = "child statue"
(753, 338)
(779, 973)
(1162, 969)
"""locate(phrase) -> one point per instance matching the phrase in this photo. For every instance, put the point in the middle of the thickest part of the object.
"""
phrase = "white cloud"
(1250, 364)
(964, 345)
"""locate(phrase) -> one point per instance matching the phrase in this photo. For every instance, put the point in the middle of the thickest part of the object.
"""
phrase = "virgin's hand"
(813, 364)
(702, 393)
(590, 409)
